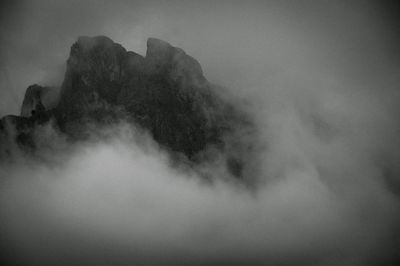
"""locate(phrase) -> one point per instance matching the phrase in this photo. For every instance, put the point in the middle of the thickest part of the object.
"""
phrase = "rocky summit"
(164, 92)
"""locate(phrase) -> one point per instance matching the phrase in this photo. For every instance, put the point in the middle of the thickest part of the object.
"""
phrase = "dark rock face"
(164, 92)
(37, 99)
(94, 77)
(17, 132)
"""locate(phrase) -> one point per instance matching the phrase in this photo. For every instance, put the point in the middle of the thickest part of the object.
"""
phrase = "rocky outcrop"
(164, 92)
(17, 133)
(38, 99)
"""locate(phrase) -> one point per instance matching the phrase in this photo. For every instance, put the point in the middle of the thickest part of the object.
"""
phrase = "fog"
(320, 80)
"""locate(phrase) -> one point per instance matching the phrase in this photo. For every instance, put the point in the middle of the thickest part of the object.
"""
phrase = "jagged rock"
(38, 97)
(95, 73)
(163, 58)
(15, 133)
(164, 92)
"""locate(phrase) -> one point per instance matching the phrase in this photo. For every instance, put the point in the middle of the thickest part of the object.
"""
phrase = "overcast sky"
(321, 82)
(243, 39)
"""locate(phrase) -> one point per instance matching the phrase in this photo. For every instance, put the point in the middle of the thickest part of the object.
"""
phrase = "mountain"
(164, 92)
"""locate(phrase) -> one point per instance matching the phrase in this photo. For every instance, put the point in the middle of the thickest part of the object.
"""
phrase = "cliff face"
(38, 98)
(164, 92)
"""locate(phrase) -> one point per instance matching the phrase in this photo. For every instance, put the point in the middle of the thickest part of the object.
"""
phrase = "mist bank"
(119, 202)
(327, 192)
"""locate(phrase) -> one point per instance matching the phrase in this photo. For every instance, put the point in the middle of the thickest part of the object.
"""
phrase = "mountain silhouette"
(164, 92)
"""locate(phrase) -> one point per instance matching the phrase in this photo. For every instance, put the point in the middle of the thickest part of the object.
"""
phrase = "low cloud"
(321, 197)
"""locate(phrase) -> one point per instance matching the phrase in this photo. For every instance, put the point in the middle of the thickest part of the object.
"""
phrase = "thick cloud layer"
(321, 82)
(117, 201)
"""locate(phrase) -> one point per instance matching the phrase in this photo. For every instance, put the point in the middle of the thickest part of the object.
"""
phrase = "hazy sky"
(321, 81)
(244, 39)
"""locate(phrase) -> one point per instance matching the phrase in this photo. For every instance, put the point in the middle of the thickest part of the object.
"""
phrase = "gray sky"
(248, 40)
(321, 80)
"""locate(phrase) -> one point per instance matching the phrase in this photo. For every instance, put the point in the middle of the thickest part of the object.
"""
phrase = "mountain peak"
(87, 43)
(157, 44)
(164, 93)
